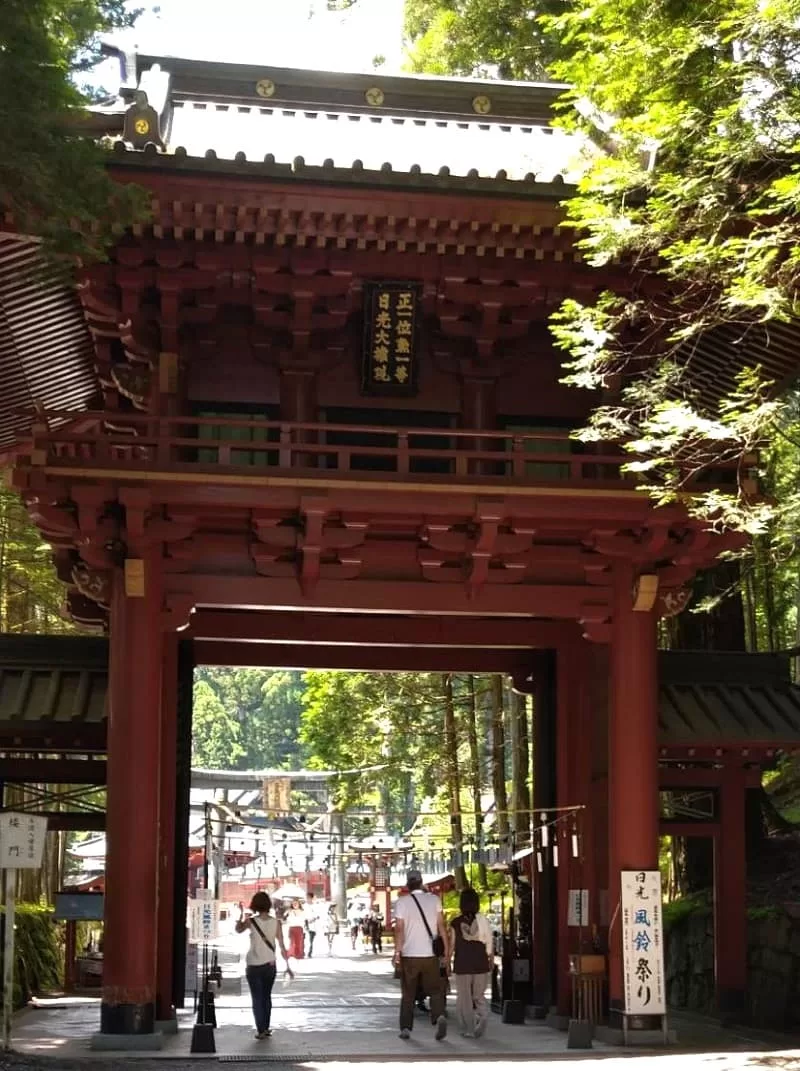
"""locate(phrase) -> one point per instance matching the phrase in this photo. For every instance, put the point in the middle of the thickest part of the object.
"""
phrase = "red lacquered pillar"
(166, 840)
(129, 961)
(632, 758)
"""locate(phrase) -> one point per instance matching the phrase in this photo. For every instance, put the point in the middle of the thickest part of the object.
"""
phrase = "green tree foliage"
(469, 37)
(247, 719)
(215, 731)
(52, 180)
(31, 596)
(694, 107)
(388, 720)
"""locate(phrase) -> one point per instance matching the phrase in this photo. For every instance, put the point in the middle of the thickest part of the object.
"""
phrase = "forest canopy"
(694, 183)
(53, 181)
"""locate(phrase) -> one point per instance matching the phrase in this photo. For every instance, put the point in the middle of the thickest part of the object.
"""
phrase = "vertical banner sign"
(22, 838)
(391, 327)
(203, 919)
(642, 943)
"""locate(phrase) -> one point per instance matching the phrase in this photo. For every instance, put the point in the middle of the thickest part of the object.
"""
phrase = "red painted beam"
(343, 629)
(358, 657)
(668, 828)
(394, 596)
(20, 771)
(689, 777)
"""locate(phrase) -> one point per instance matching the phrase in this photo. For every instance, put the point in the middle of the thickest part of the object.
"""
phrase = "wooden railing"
(232, 445)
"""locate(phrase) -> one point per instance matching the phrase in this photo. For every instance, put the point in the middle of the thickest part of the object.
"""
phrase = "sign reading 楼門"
(391, 324)
(642, 943)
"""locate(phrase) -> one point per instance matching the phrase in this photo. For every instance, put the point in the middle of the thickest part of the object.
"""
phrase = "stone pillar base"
(127, 1042)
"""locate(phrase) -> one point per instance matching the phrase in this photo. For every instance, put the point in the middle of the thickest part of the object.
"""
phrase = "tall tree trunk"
(522, 795)
(499, 756)
(475, 772)
(453, 775)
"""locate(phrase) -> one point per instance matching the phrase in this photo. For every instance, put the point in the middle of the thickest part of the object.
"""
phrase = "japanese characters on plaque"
(391, 315)
(578, 910)
(203, 918)
(642, 943)
(276, 794)
(22, 838)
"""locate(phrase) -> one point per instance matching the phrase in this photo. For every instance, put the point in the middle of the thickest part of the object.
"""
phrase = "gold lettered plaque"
(391, 338)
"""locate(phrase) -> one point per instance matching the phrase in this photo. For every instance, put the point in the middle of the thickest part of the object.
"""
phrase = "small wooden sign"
(276, 794)
(391, 330)
(22, 838)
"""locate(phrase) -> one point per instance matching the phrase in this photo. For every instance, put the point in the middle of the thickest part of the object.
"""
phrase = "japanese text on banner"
(203, 920)
(642, 943)
(389, 337)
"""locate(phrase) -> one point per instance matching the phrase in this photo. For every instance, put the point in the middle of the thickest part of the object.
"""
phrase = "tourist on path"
(376, 929)
(472, 945)
(331, 927)
(420, 939)
(296, 923)
(265, 933)
(311, 914)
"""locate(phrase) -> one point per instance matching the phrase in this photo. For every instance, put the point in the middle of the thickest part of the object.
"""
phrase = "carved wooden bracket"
(133, 382)
(92, 584)
(86, 612)
(177, 613)
(672, 602)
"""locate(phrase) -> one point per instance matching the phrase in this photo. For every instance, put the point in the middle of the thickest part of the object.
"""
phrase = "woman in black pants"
(265, 934)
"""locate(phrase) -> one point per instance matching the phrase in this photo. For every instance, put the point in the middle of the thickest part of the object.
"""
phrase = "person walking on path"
(376, 929)
(420, 939)
(311, 923)
(260, 969)
(331, 927)
(296, 922)
(472, 945)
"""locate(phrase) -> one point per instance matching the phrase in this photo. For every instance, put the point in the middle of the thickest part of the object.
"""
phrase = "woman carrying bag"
(473, 956)
(261, 967)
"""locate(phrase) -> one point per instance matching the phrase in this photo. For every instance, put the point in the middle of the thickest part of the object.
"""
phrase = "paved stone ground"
(343, 1009)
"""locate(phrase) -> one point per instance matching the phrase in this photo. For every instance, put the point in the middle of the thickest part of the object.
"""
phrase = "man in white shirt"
(418, 920)
(311, 913)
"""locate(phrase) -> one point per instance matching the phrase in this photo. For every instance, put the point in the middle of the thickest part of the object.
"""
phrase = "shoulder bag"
(263, 936)
(436, 942)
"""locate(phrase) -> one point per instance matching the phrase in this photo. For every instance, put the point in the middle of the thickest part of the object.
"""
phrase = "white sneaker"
(405, 1034)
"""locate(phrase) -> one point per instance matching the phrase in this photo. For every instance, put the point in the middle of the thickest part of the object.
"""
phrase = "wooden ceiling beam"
(349, 629)
(560, 601)
(374, 659)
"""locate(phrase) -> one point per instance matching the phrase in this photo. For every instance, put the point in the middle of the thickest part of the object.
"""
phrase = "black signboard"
(85, 906)
(391, 329)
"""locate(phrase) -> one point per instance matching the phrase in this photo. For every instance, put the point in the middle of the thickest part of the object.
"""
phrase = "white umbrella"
(289, 891)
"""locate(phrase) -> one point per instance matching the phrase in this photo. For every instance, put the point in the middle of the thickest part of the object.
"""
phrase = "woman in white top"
(265, 933)
(296, 922)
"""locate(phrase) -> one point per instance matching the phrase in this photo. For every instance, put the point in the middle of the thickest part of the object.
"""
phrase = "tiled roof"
(719, 714)
(53, 691)
(374, 142)
(46, 353)
(715, 698)
(430, 129)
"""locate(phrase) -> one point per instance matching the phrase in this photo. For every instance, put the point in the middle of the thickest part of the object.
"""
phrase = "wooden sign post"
(22, 838)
